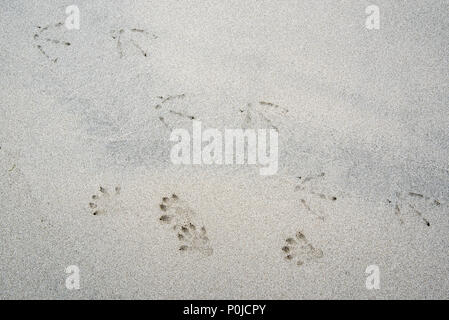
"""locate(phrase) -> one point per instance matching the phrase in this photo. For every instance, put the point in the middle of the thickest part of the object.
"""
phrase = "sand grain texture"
(368, 109)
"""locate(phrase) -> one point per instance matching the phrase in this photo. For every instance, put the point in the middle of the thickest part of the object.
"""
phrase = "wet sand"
(365, 124)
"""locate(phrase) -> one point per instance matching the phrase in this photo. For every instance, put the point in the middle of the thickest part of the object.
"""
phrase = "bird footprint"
(262, 114)
(131, 38)
(415, 203)
(167, 114)
(44, 38)
(308, 195)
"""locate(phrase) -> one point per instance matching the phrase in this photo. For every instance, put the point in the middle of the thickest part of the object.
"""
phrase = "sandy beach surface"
(363, 176)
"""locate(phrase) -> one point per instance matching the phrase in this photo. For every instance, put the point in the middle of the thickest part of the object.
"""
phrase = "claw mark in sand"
(191, 233)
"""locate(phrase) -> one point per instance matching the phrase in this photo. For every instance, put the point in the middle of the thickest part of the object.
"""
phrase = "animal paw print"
(43, 39)
(104, 201)
(413, 203)
(262, 113)
(299, 250)
(192, 235)
(308, 195)
(132, 38)
(167, 114)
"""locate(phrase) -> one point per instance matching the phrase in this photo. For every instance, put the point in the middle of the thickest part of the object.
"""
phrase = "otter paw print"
(104, 201)
(192, 239)
(192, 235)
(298, 250)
